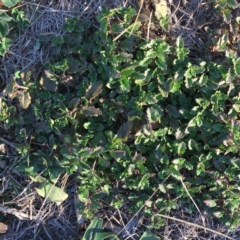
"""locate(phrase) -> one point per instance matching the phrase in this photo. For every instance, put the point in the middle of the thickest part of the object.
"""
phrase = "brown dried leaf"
(91, 111)
(24, 99)
(3, 227)
(94, 90)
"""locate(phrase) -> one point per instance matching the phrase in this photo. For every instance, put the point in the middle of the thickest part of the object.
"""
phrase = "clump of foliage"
(116, 108)
(6, 23)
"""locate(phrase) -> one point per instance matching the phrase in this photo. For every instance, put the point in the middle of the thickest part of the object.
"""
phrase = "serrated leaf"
(94, 90)
(161, 9)
(52, 193)
(179, 42)
(124, 130)
(91, 111)
(154, 113)
(5, 45)
(9, 3)
(172, 110)
(24, 99)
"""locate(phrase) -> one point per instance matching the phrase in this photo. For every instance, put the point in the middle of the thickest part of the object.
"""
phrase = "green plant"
(225, 7)
(94, 231)
(5, 19)
(118, 108)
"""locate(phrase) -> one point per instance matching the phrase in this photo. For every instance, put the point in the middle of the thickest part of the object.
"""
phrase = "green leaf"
(154, 113)
(10, 3)
(24, 99)
(164, 23)
(124, 131)
(3, 29)
(5, 45)
(179, 42)
(182, 148)
(232, 4)
(222, 3)
(94, 228)
(4, 17)
(125, 84)
(52, 193)
(149, 236)
(94, 90)
(172, 110)
(227, 15)
(105, 235)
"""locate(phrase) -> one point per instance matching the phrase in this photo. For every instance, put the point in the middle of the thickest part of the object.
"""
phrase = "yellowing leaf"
(161, 9)
(24, 99)
(94, 90)
(52, 193)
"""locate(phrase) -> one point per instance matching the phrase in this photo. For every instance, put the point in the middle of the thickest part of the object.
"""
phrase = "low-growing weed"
(116, 108)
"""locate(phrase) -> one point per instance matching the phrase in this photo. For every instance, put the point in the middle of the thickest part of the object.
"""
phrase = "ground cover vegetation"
(129, 116)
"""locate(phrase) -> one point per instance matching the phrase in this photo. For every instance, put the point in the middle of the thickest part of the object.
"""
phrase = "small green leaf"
(52, 193)
(154, 113)
(3, 29)
(94, 90)
(222, 3)
(172, 110)
(232, 4)
(94, 228)
(9, 3)
(149, 236)
(227, 15)
(5, 45)
(24, 99)
(4, 17)
(179, 42)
